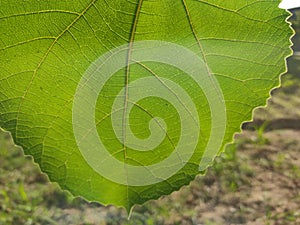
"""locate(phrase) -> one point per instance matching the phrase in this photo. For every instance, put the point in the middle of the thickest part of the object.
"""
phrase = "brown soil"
(256, 182)
(262, 186)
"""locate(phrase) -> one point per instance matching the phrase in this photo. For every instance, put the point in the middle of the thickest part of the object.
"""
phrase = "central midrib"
(128, 59)
(127, 72)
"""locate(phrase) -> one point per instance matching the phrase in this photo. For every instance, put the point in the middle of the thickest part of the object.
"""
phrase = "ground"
(256, 181)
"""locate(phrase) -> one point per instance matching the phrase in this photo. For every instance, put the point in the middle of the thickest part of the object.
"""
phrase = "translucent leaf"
(125, 101)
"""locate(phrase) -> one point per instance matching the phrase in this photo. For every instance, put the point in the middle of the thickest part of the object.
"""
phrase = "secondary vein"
(45, 57)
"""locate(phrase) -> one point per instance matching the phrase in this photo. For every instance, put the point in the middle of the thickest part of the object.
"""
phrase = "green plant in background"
(260, 130)
(47, 47)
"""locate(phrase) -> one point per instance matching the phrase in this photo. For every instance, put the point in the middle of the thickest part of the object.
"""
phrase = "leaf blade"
(43, 64)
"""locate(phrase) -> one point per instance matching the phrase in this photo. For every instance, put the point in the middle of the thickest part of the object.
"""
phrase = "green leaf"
(191, 72)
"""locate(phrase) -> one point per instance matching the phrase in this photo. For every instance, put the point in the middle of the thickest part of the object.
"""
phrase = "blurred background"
(255, 182)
